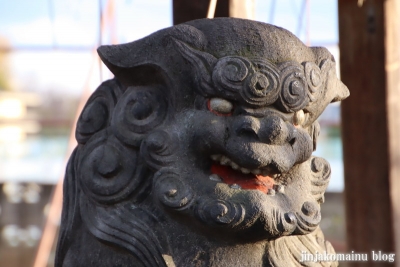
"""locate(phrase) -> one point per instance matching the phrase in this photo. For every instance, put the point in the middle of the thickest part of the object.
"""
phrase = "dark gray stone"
(198, 153)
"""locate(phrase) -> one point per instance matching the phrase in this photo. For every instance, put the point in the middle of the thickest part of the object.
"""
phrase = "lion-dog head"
(206, 131)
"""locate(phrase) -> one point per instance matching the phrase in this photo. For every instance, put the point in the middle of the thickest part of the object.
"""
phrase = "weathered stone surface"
(198, 153)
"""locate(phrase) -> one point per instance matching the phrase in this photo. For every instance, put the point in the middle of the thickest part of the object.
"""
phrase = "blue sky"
(75, 22)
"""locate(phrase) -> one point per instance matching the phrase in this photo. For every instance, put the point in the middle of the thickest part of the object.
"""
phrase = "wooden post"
(184, 10)
(369, 35)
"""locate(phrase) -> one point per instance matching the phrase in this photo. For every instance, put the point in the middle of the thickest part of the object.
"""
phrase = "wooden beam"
(185, 10)
(392, 68)
(369, 57)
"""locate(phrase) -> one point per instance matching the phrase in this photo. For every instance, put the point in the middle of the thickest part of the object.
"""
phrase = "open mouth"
(225, 170)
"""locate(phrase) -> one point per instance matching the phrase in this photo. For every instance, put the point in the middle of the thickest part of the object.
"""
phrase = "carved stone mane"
(199, 151)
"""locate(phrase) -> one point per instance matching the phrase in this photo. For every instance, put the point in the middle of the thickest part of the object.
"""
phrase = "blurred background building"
(48, 67)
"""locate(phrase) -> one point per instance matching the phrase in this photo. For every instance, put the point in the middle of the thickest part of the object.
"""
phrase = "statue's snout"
(271, 130)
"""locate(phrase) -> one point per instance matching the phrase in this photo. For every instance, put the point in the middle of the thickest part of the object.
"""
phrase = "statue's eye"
(220, 106)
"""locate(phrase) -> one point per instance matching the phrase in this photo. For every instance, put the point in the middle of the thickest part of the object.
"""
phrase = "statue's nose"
(271, 130)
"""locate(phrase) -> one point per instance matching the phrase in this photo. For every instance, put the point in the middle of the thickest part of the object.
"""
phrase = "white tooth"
(298, 117)
(215, 157)
(235, 186)
(245, 171)
(215, 177)
(271, 192)
(256, 171)
(224, 160)
(279, 188)
(234, 165)
(276, 176)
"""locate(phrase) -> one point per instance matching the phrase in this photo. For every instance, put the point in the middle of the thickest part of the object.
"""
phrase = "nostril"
(246, 132)
(247, 126)
(292, 141)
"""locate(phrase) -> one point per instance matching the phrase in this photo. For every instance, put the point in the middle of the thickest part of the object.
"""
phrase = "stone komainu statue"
(198, 152)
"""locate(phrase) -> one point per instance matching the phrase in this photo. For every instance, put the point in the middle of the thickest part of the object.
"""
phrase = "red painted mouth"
(246, 181)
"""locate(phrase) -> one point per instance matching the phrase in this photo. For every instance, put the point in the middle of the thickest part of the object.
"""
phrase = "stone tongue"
(246, 181)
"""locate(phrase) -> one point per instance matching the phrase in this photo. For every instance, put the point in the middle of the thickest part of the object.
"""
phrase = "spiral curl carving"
(238, 77)
(280, 223)
(321, 169)
(158, 149)
(309, 218)
(230, 72)
(108, 171)
(221, 212)
(257, 82)
(313, 76)
(293, 96)
(320, 176)
(262, 87)
(141, 109)
(314, 79)
(97, 112)
(171, 190)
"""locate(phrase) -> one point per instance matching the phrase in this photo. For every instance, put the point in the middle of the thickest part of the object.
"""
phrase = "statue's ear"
(331, 89)
(129, 67)
(149, 59)
(334, 87)
(342, 92)
(108, 54)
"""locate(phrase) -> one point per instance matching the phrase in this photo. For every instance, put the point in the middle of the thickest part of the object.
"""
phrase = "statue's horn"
(342, 91)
